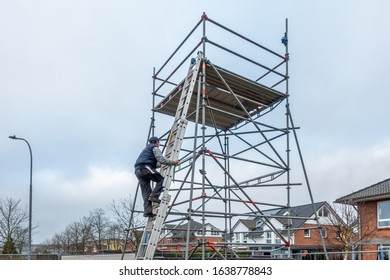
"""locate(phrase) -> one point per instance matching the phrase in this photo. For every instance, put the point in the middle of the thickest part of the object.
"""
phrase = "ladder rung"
(179, 110)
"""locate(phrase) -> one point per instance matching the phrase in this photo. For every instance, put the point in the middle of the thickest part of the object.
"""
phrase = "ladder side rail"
(156, 230)
(144, 239)
(174, 144)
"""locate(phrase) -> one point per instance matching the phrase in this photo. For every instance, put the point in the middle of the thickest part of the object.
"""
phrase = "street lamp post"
(30, 201)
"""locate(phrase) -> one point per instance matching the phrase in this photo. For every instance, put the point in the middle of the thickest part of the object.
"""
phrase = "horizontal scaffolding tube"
(245, 58)
(181, 64)
(246, 39)
(182, 43)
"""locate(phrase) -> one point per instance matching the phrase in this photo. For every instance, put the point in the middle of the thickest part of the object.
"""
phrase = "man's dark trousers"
(144, 176)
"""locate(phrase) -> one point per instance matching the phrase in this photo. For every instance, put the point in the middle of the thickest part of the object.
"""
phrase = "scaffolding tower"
(235, 151)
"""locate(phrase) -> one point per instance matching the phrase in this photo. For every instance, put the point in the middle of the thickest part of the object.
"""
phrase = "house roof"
(180, 231)
(249, 223)
(305, 211)
(376, 191)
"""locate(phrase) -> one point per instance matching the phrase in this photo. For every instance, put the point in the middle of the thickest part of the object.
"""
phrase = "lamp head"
(12, 137)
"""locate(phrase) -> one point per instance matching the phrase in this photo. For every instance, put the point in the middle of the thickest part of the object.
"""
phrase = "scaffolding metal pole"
(246, 58)
(194, 157)
(181, 64)
(227, 205)
(308, 184)
(204, 104)
(245, 38)
(266, 219)
(288, 188)
(247, 113)
(180, 45)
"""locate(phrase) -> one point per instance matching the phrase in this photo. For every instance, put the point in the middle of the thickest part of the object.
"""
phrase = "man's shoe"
(154, 199)
(149, 215)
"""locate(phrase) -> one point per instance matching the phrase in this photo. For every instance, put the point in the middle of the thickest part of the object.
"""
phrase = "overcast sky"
(75, 81)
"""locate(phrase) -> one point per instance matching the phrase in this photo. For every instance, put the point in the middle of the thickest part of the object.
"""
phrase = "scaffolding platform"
(225, 110)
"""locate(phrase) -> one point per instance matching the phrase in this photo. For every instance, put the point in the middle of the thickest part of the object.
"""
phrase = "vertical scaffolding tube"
(193, 168)
(228, 206)
(203, 165)
(204, 104)
(154, 100)
(308, 184)
(225, 239)
(289, 222)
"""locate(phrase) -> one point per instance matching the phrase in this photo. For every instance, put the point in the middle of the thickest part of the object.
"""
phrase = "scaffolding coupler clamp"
(284, 40)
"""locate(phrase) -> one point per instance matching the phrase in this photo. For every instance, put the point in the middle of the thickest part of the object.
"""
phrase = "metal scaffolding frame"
(240, 167)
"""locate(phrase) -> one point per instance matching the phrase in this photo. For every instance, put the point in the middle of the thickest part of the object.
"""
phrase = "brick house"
(373, 204)
(174, 237)
(305, 235)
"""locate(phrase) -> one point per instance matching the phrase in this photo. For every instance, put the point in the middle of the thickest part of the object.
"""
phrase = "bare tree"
(66, 239)
(122, 211)
(86, 233)
(350, 231)
(22, 238)
(13, 221)
(98, 227)
(72, 233)
(114, 237)
(56, 244)
(100, 224)
(78, 235)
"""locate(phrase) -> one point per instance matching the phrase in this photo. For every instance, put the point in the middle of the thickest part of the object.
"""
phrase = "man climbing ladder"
(145, 170)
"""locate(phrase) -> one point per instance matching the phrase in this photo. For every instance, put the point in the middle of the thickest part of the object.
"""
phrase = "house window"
(306, 232)
(324, 233)
(384, 252)
(269, 237)
(383, 214)
(323, 212)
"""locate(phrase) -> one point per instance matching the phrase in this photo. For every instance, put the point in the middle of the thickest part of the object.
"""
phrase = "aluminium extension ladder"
(151, 234)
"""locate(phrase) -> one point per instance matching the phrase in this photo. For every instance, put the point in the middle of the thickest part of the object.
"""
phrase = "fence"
(355, 255)
(351, 255)
(30, 257)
